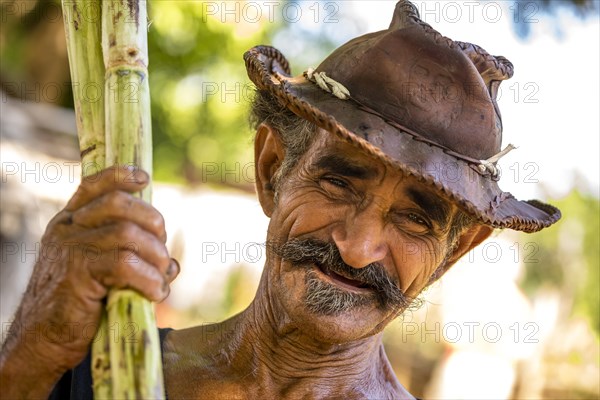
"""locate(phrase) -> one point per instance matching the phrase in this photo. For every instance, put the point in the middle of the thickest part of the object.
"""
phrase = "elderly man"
(377, 171)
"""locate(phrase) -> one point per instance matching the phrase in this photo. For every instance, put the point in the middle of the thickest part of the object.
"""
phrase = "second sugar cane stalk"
(86, 63)
(135, 369)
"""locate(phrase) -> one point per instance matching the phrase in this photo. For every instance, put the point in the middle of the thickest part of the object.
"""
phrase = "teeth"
(326, 270)
(342, 278)
(348, 280)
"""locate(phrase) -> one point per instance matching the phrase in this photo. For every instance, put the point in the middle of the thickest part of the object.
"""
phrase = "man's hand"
(104, 238)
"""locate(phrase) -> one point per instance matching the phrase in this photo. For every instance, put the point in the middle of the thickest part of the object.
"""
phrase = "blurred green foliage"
(568, 256)
(199, 90)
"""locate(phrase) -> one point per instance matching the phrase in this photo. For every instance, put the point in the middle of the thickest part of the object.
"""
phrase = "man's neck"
(260, 353)
(285, 354)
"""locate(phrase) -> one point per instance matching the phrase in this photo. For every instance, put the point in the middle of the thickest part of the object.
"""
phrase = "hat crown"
(412, 75)
(417, 101)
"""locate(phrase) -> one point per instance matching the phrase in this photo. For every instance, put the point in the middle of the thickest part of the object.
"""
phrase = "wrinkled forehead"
(329, 150)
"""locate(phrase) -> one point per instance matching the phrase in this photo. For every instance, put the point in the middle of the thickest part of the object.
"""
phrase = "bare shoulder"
(188, 352)
(196, 365)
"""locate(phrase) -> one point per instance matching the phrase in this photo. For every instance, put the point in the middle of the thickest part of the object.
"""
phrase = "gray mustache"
(305, 252)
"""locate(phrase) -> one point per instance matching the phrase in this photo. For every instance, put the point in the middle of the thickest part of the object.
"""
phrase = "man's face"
(352, 241)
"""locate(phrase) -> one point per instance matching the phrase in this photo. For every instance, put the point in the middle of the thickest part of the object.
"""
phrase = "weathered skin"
(277, 347)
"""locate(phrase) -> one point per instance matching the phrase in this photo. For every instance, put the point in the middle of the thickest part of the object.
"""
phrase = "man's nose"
(361, 239)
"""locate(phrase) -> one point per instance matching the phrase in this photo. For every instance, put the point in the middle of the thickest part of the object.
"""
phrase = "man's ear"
(268, 156)
(468, 240)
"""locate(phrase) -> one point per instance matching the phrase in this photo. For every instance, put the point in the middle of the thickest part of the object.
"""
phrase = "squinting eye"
(418, 219)
(413, 223)
(337, 182)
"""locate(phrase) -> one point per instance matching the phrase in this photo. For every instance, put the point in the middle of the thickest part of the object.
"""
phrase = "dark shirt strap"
(76, 384)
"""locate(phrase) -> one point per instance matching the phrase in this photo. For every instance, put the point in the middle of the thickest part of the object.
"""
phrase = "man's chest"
(203, 382)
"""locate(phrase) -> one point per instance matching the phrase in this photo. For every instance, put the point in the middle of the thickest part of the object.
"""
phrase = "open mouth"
(342, 280)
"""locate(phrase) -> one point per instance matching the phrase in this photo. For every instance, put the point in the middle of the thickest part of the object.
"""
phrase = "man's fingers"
(130, 272)
(122, 239)
(173, 270)
(121, 206)
(124, 178)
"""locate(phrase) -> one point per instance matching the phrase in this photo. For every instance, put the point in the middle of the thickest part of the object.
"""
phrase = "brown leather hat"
(420, 102)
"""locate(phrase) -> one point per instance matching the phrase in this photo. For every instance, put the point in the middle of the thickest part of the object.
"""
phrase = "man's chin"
(340, 326)
(327, 309)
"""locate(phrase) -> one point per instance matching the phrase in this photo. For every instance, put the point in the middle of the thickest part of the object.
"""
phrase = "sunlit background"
(517, 318)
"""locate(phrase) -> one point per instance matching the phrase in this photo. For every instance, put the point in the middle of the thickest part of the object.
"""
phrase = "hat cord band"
(489, 164)
(341, 92)
(328, 84)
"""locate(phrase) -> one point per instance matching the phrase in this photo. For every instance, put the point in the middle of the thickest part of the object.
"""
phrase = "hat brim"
(478, 195)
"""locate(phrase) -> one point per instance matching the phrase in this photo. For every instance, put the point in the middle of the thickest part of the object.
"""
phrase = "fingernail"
(165, 290)
(140, 176)
(172, 269)
(176, 266)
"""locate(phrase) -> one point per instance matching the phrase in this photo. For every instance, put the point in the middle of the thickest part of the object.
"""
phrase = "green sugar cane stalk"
(126, 358)
(83, 33)
(135, 357)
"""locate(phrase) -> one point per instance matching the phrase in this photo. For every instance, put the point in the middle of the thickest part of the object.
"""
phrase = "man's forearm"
(27, 367)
